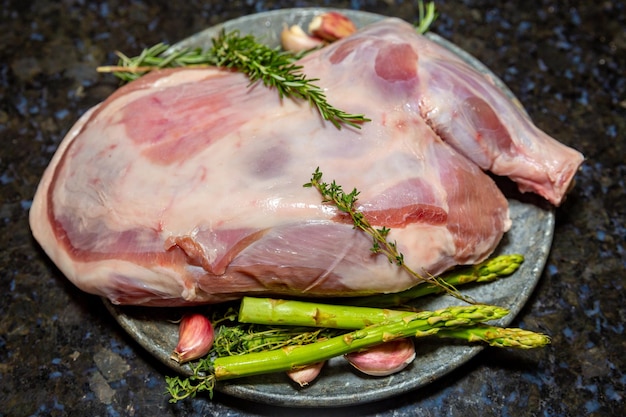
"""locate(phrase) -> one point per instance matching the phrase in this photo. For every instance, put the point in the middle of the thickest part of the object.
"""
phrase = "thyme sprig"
(346, 202)
(202, 380)
(249, 338)
(273, 67)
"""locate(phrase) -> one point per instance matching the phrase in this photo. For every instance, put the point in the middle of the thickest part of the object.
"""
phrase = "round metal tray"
(338, 384)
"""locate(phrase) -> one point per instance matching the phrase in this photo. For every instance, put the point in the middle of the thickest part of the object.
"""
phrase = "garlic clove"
(331, 26)
(195, 338)
(384, 359)
(294, 39)
(303, 376)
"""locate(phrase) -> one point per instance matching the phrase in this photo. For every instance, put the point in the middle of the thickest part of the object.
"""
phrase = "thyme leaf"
(202, 380)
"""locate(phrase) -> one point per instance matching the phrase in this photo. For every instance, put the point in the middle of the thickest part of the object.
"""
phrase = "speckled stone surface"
(62, 354)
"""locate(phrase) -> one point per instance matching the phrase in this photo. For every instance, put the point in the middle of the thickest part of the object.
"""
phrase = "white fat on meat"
(186, 186)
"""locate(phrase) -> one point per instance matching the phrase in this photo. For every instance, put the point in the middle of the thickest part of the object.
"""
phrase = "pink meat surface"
(185, 186)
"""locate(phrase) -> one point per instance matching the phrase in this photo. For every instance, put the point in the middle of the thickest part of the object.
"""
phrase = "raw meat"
(185, 186)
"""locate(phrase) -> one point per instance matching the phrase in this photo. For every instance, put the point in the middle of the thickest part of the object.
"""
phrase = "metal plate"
(338, 384)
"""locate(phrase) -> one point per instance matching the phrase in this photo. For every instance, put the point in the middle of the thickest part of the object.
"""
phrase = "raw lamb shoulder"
(186, 186)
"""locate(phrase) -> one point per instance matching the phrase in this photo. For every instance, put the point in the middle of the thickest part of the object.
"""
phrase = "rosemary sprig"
(273, 67)
(277, 69)
(346, 202)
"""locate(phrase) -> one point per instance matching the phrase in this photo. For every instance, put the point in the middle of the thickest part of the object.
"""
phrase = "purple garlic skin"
(323, 29)
(331, 26)
(384, 359)
(195, 338)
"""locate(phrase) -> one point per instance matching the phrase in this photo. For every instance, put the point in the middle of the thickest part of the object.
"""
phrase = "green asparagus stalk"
(303, 313)
(497, 336)
(486, 271)
(414, 325)
(286, 312)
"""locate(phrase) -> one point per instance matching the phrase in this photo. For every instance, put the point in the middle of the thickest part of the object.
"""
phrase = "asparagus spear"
(497, 336)
(486, 271)
(281, 312)
(303, 313)
(416, 325)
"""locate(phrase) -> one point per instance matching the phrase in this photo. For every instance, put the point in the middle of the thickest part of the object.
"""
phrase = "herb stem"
(346, 202)
(486, 271)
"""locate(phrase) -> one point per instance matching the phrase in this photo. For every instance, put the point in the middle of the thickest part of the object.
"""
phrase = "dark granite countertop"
(61, 353)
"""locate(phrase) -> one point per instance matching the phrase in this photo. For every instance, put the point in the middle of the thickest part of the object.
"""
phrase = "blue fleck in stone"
(101, 36)
(111, 411)
(5, 179)
(592, 406)
(57, 405)
(553, 270)
(601, 235)
(590, 312)
(61, 114)
(611, 394)
(575, 16)
(523, 27)
(611, 131)
(567, 332)
(542, 65)
(104, 9)
(533, 379)
(152, 382)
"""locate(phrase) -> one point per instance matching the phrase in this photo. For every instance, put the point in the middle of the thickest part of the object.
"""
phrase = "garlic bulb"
(305, 375)
(331, 26)
(294, 39)
(195, 338)
(384, 359)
